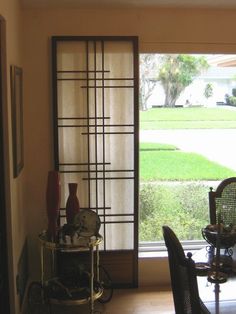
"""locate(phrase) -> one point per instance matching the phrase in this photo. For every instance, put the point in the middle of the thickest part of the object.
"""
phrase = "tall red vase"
(53, 196)
(72, 203)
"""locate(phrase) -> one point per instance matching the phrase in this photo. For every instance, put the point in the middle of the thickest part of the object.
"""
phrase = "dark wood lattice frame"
(115, 257)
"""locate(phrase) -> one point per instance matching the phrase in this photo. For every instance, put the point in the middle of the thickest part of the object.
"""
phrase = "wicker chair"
(183, 277)
(223, 201)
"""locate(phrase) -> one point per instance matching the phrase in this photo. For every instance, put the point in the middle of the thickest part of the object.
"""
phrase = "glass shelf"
(81, 243)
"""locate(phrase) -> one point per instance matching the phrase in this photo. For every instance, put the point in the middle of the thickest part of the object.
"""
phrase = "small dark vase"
(72, 203)
(53, 195)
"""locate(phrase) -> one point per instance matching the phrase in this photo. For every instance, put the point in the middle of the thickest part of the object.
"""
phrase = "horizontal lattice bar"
(83, 71)
(118, 86)
(93, 125)
(95, 79)
(118, 222)
(94, 171)
(93, 133)
(84, 164)
(110, 178)
(83, 118)
(97, 208)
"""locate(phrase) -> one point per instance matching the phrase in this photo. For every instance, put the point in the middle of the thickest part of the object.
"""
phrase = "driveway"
(216, 145)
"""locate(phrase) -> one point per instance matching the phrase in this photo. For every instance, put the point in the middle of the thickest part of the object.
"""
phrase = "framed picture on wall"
(17, 118)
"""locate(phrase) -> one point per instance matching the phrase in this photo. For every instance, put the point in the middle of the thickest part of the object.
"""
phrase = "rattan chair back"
(222, 202)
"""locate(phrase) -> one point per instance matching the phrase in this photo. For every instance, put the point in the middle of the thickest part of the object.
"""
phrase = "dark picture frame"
(17, 118)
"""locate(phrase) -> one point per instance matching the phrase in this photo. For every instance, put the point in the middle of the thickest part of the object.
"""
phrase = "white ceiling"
(129, 3)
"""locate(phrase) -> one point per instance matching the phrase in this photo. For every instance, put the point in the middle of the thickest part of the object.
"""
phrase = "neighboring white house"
(221, 75)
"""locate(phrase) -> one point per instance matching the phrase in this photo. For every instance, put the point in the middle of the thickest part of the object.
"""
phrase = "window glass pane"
(187, 127)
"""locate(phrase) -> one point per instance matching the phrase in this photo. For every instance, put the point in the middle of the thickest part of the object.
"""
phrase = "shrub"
(234, 92)
(147, 201)
(182, 206)
(232, 100)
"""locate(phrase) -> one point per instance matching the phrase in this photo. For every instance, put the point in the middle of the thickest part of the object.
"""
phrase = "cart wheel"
(105, 281)
(36, 299)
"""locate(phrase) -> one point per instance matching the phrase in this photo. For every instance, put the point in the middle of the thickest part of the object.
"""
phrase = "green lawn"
(166, 162)
(187, 118)
(159, 163)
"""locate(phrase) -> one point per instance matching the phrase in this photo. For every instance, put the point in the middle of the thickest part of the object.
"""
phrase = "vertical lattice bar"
(103, 143)
(88, 122)
(96, 122)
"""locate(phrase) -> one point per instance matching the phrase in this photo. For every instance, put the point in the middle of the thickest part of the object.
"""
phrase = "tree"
(176, 72)
(148, 68)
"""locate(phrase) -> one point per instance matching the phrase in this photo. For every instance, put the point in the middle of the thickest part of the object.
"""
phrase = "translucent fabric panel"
(119, 59)
(119, 236)
(117, 219)
(118, 83)
(71, 56)
(120, 196)
(117, 153)
(117, 199)
(117, 156)
(72, 99)
(119, 105)
(95, 104)
(73, 148)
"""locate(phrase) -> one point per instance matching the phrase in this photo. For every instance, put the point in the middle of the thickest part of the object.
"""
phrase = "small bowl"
(227, 239)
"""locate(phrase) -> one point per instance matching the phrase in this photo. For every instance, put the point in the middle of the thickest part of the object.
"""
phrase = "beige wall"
(165, 30)
(162, 30)
(16, 224)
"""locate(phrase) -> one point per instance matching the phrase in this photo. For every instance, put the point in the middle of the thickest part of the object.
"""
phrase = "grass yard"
(187, 118)
(160, 162)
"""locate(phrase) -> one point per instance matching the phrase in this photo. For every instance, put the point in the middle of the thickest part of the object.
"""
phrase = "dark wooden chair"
(183, 277)
(223, 201)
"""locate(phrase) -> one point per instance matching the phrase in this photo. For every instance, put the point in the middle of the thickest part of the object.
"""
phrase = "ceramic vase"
(72, 203)
(53, 204)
